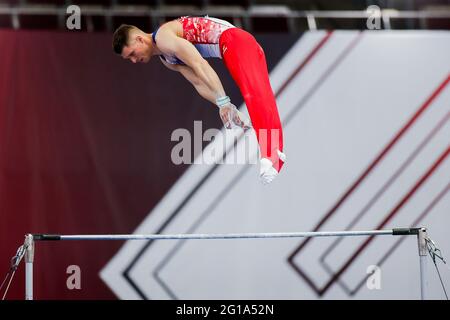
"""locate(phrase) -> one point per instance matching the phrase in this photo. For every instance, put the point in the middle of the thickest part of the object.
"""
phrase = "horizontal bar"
(205, 236)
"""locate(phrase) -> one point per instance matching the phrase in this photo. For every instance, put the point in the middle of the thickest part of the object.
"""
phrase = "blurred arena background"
(254, 15)
(365, 103)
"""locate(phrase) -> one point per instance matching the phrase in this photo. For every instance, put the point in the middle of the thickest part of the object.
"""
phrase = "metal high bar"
(31, 239)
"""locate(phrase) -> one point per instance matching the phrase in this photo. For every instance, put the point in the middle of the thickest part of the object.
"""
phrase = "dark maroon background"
(85, 147)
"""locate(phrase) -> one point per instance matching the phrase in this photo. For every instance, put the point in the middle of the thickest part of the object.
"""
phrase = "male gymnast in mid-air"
(182, 45)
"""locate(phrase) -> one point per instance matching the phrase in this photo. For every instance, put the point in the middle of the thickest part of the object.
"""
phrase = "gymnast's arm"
(169, 43)
(202, 89)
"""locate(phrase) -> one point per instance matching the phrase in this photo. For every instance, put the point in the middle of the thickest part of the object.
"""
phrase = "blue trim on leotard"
(154, 35)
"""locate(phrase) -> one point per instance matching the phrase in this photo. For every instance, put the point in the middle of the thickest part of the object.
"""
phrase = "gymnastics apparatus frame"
(27, 250)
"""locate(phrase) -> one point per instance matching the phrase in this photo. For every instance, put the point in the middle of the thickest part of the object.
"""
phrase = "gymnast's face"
(137, 51)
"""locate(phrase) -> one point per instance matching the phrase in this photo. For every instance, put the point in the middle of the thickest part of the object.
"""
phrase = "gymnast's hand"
(232, 117)
(241, 120)
(227, 114)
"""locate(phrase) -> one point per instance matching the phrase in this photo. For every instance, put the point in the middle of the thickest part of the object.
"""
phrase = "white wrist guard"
(223, 101)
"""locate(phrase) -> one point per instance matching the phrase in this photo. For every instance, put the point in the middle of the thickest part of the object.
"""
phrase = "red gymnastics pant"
(245, 60)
